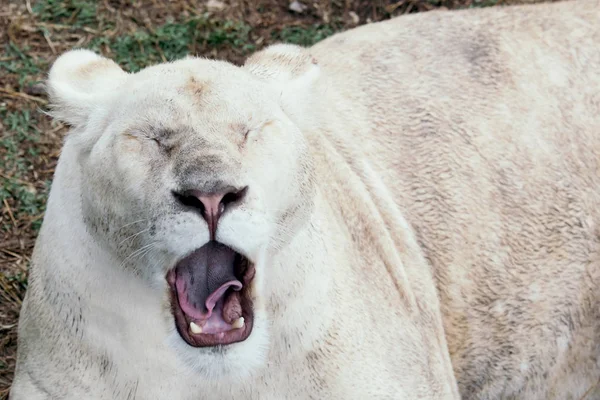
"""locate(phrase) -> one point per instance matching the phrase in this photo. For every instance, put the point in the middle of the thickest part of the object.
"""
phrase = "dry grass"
(135, 33)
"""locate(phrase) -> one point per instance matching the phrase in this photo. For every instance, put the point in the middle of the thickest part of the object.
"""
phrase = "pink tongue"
(203, 278)
(211, 301)
(217, 294)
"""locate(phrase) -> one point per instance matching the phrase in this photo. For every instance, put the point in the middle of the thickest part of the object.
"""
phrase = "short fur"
(423, 210)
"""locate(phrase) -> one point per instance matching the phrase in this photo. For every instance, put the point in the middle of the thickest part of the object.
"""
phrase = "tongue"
(204, 277)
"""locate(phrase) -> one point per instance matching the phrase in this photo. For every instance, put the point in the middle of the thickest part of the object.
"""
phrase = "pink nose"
(213, 208)
(211, 205)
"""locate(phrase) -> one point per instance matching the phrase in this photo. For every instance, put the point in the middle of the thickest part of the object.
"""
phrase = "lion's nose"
(212, 204)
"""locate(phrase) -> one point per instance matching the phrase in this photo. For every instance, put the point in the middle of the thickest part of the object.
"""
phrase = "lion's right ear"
(290, 70)
(78, 82)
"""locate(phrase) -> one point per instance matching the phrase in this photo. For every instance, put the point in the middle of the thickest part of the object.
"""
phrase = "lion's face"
(193, 176)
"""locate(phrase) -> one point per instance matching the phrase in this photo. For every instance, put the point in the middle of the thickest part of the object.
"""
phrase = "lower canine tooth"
(195, 328)
(238, 323)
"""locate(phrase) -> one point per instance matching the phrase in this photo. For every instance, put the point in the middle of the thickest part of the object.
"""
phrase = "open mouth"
(210, 296)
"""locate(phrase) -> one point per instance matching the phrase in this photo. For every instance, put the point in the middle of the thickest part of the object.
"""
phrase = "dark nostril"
(210, 201)
(233, 197)
(189, 199)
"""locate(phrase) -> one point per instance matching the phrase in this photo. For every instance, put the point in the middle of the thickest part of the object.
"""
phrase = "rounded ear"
(77, 83)
(289, 70)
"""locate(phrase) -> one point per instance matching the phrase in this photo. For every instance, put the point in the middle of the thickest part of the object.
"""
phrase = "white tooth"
(238, 323)
(195, 328)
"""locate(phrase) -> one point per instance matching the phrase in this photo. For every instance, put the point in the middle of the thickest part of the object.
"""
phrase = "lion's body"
(445, 238)
(485, 134)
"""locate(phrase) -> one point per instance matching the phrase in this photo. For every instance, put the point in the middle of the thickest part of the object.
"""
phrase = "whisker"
(134, 235)
(131, 223)
(139, 252)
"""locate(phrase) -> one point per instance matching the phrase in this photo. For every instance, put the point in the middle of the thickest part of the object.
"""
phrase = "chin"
(235, 361)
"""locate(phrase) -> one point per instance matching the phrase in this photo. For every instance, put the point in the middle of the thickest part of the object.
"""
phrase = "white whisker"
(134, 235)
(131, 223)
(139, 252)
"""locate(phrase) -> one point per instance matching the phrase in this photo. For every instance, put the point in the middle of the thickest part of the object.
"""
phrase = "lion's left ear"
(79, 81)
(288, 69)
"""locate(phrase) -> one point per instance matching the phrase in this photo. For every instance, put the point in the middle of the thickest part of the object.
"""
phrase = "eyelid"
(260, 127)
(143, 134)
(266, 124)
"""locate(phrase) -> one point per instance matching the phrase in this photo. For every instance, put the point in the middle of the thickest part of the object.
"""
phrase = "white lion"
(408, 210)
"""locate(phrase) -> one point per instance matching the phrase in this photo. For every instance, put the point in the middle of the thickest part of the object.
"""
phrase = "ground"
(135, 33)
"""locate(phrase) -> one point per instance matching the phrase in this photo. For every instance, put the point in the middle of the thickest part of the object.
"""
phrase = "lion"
(406, 210)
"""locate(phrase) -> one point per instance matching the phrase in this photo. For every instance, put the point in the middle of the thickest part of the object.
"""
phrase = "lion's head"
(195, 172)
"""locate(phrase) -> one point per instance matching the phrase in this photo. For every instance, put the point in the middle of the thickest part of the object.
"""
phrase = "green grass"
(18, 146)
(483, 3)
(19, 279)
(175, 40)
(21, 63)
(143, 47)
(304, 36)
(76, 13)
